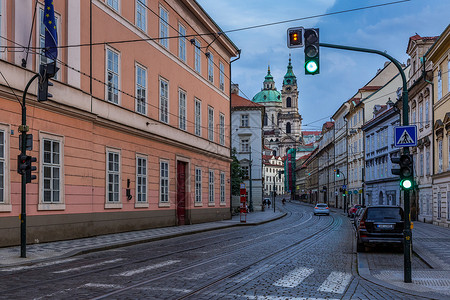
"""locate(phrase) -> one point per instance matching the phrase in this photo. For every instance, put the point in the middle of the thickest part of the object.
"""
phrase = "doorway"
(181, 193)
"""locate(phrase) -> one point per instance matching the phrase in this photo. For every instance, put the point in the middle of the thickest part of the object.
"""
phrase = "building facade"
(135, 135)
(247, 139)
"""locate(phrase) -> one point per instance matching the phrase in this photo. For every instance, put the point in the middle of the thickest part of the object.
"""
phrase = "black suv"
(380, 225)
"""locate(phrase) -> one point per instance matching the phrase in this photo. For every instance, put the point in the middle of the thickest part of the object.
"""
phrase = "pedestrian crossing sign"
(405, 136)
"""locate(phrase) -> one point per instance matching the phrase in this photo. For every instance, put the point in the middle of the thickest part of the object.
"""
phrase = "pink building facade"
(136, 134)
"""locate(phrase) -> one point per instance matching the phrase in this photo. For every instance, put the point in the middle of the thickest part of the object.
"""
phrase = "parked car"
(358, 212)
(352, 210)
(380, 225)
(321, 208)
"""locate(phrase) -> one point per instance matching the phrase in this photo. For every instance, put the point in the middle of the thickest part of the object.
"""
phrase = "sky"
(342, 73)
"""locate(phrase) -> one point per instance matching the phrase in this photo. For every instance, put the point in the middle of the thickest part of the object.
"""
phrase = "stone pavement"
(10, 256)
(430, 243)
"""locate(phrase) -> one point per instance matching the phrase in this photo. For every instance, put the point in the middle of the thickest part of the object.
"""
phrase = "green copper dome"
(289, 78)
(269, 93)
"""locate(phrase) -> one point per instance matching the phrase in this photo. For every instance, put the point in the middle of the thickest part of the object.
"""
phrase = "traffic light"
(46, 71)
(30, 168)
(295, 37)
(405, 171)
(338, 173)
(311, 38)
(21, 163)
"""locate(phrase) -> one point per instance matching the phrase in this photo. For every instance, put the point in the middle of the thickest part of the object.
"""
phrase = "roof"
(328, 125)
(269, 92)
(370, 88)
(312, 132)
(238, 101)
(289, 78)
(417, 37)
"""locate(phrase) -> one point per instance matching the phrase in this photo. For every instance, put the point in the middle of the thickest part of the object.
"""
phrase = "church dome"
(269, 93)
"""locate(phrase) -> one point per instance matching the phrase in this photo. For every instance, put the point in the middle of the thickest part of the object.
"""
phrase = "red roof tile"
(238, 101)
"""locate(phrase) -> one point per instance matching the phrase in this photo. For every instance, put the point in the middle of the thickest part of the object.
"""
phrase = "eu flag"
(51, 36)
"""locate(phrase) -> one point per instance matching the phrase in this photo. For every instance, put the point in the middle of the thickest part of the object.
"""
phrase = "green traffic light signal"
(311, 66)
(406, 184)
(311, 41)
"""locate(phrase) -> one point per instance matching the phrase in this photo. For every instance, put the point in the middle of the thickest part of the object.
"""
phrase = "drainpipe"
(231, 190)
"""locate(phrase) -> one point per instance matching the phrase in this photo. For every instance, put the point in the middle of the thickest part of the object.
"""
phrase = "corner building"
(136, 134)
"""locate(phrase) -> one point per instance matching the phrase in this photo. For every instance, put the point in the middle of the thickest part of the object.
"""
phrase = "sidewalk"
(10, 256)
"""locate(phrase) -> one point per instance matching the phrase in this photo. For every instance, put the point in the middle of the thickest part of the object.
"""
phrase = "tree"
(237, 174)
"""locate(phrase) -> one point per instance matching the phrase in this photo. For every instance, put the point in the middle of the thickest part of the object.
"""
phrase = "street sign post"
(405, 136)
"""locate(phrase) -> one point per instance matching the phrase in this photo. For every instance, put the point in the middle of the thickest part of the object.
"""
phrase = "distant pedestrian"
(268, 203)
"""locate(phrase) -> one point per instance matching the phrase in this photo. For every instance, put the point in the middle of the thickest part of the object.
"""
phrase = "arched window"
(274, 152)
(273, 119)
(288, 102)
(288, 127)
(265, 119)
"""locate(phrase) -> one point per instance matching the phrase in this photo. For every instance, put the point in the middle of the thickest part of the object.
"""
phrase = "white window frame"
(114, 4)
(141, 15)
(40, 39)
(197, 56)
(211, 187)
(210, 123)
(245, 120)
(114, 72)
(181, 42)
(163, 100)
(245, 144)
(141, 84)
(141, 181)
(198, 117)
(440, 167)
(222, 129)
(164, 181)
(427, 161)
(221, 76)
(182, 112)
(5, 196)
(211, 67)
(198, 186)
(222, 188)
(112, 203)
(421, 115)
(427, 112)
(52, 205)
(164, 27)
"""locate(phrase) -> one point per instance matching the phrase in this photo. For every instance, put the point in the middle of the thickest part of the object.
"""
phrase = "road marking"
(45, 264)
(257, 272)
(148, 268)
(102, 285)
(336, 283)
(294, 278)
(89, 266)
(283, 298)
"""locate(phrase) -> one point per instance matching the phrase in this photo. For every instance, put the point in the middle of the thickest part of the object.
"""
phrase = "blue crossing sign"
(405, 136)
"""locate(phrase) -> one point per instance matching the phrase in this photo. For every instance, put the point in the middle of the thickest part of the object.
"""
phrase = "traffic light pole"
(407, 235)
(23, 129)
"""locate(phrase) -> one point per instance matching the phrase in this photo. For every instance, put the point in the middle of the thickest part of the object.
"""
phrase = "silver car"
(321, 208)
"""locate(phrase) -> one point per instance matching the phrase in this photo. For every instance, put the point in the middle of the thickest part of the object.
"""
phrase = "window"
(2, 164)
(182, 43)
(427, 112)
(413, 113)
(288, 127)
(198, 185)
(222, 129)
(163, 101)
(163, 27)
(428, 161)
(222, 187)
(141, 15)
(113, 179)
(198, 120)
(439, 78)
(245, 172)
(221, 76)
(141, 180)
(288, 102)
(114, 4)
(211, 186)
(245, 145)
(182, 109)
(448, 206)
(440, 156)
(210, 123)
(112, 75)
(265, 119)
(197, 56)
(211, 67)
(51, 171)
(421, 115)
(164, 182)
(421, 164)
(1, 29)
(141, 90)
(244, 120)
